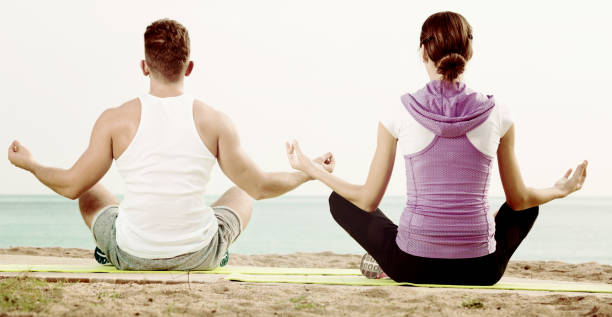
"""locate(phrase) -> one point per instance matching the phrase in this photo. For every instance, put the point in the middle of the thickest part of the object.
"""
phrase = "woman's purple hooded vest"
(446, 214)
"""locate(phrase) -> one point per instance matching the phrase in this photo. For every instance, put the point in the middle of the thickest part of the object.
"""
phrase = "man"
(164, 144)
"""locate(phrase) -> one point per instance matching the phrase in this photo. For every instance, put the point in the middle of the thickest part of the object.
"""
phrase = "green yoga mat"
(96, 268)
(504, 284)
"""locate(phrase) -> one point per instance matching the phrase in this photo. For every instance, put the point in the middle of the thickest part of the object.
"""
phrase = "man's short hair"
(167, 49)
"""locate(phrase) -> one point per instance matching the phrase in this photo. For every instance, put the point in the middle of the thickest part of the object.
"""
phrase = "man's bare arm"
(86, 171)
(241, 169)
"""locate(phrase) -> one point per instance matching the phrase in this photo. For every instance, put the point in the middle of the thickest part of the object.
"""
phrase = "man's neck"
(163, 90)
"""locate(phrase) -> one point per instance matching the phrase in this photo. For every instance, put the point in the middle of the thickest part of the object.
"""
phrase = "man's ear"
(189, 68)
(144, 68)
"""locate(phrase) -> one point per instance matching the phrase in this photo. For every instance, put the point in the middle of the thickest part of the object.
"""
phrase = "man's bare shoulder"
(116, 119)
(209, 116)
(128, 108)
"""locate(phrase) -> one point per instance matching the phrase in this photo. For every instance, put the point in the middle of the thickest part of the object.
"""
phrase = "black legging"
(376, 234)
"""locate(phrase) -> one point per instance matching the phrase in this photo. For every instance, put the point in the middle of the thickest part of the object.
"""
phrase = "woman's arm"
(519, 196)
(366, 196)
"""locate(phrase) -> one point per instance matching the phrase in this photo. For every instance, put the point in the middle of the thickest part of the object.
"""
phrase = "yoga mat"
(504, 284)
(96, 268)
(317, 276)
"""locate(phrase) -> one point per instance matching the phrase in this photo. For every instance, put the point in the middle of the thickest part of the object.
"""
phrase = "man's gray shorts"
(208, 258)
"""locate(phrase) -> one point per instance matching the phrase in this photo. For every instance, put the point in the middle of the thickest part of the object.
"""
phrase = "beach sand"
(224, 298)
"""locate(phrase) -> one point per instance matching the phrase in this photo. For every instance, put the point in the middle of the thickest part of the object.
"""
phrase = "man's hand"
(83, 174)
(20, 156)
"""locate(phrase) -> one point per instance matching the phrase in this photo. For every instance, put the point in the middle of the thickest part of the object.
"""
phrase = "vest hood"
(448, 110)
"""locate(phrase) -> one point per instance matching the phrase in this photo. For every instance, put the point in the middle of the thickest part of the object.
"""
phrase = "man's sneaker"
(100, 256)
(370, 268)
(224, 260)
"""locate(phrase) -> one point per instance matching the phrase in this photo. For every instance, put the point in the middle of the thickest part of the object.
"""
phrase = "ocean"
(574, 230)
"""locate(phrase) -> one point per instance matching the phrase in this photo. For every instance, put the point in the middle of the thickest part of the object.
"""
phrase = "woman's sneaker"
(100, 256)
(370, 268)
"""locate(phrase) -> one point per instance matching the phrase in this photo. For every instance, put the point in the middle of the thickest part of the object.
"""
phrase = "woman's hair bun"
(451, 66)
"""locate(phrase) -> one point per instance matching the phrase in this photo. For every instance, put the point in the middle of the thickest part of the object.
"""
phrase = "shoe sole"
(100, 256)
(370, 268)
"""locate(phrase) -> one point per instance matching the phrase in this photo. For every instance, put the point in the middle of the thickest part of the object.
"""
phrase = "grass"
(473, 304)
(171, 309)
(301, 302)
(27, 294)
(99, 295)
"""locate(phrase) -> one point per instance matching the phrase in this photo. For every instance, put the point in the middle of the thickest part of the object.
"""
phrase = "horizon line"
(298, 195)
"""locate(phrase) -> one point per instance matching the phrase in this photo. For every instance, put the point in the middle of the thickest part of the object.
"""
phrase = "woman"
(449, 136)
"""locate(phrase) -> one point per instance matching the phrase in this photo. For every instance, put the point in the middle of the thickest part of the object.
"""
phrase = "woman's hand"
(327, 161)
(301, 162)
(567, 185)
(20, 156)
(367, 196)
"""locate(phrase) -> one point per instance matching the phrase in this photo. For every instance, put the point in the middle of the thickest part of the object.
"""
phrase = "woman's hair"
(446, 38)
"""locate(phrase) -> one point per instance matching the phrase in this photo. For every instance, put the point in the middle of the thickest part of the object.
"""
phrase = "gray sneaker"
(370, 268)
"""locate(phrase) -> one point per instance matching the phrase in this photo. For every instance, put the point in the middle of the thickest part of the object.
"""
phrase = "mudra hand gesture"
(301, 162)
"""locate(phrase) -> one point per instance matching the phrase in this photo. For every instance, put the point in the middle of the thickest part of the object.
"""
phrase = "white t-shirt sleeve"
(486, 137)
(411, 135)
(392, 119)
(505, 120)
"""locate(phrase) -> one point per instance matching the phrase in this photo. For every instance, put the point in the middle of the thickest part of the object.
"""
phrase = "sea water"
(575, 229)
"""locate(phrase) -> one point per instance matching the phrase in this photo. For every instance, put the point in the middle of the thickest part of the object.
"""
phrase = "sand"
(224, 298)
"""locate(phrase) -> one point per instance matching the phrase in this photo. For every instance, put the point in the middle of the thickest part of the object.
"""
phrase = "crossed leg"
(93, 200)
(239, 201)
(98, 197)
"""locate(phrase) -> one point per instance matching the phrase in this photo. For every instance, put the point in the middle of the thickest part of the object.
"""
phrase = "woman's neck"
(432, 70)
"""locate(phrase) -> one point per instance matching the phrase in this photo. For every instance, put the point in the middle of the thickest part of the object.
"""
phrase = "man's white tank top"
(166, 169)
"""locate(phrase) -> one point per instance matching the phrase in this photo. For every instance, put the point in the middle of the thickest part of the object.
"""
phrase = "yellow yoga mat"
(504, 284)
(96, 268)
(258, 274)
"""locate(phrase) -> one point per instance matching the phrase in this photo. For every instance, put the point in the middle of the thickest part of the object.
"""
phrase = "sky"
(321, 72)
